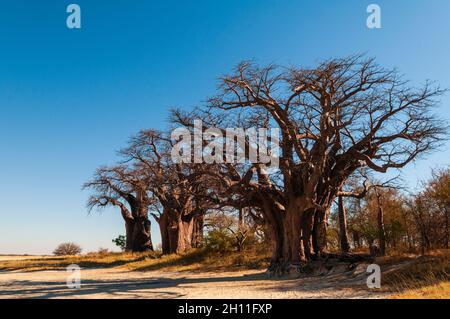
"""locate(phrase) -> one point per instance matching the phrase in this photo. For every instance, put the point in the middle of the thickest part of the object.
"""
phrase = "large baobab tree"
(125, 189)
(343, 115)
(174, 185)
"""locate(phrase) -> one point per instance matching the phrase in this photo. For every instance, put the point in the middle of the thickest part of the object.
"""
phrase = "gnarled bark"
(333, 120)
(141, 240)
(180, 231)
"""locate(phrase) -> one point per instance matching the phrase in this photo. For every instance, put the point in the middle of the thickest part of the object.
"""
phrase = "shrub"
(66, 249)
(225, 233)
(103, 251)
(120, 241)
(219, 240)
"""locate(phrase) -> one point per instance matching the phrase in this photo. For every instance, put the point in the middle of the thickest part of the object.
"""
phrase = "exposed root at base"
(319, 265)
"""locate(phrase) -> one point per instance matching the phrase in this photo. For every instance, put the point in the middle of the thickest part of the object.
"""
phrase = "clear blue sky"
(70, 98)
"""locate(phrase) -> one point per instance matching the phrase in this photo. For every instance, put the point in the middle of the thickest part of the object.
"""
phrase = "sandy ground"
(122, 283)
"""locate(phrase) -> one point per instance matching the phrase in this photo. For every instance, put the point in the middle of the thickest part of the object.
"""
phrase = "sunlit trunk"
(343, 233)
(185, 231)
(129, 228)
(286, 229)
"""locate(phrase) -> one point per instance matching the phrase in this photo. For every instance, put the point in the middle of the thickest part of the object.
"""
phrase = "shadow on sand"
(144, 288)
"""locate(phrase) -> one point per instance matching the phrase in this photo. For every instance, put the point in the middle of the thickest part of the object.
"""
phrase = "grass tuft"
(418, 277)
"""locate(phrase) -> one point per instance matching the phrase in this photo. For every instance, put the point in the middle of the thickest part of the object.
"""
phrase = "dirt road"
(122, 283)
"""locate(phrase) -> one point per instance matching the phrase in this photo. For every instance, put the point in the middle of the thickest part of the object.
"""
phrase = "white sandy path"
(122, 283)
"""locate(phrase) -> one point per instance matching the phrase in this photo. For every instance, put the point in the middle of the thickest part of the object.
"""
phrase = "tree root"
(318, 265)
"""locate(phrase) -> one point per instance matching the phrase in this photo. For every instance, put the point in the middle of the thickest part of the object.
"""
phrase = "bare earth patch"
(122, 283)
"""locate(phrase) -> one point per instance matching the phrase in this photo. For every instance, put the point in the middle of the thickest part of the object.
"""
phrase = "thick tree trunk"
(307, 230)
(129, 227)
(343, 233)
(173, 235)
(293, 225)
(185, 232)
(276, 230)
(286, 236)
(141, 234)
(181, 232)
(197, 233)
(285, 249)
(295, 232)
(164, 230)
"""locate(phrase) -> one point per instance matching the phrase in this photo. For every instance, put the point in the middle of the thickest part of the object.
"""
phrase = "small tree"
(120, 241)
(103, 251)
(431, 211)
(226, 233)
(66, 249)
(218, 237)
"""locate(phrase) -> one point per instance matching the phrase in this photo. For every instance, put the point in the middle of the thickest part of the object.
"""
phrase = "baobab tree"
(176, 186)
(343, 115)
(126, 189)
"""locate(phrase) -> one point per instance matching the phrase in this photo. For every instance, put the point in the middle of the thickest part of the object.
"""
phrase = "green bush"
(219, 240)
(120, 241)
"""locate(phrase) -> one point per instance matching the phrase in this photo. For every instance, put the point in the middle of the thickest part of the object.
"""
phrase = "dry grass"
(195, 260)
(205, 260)
(438, 291)
(418, 277)
(92, 260)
